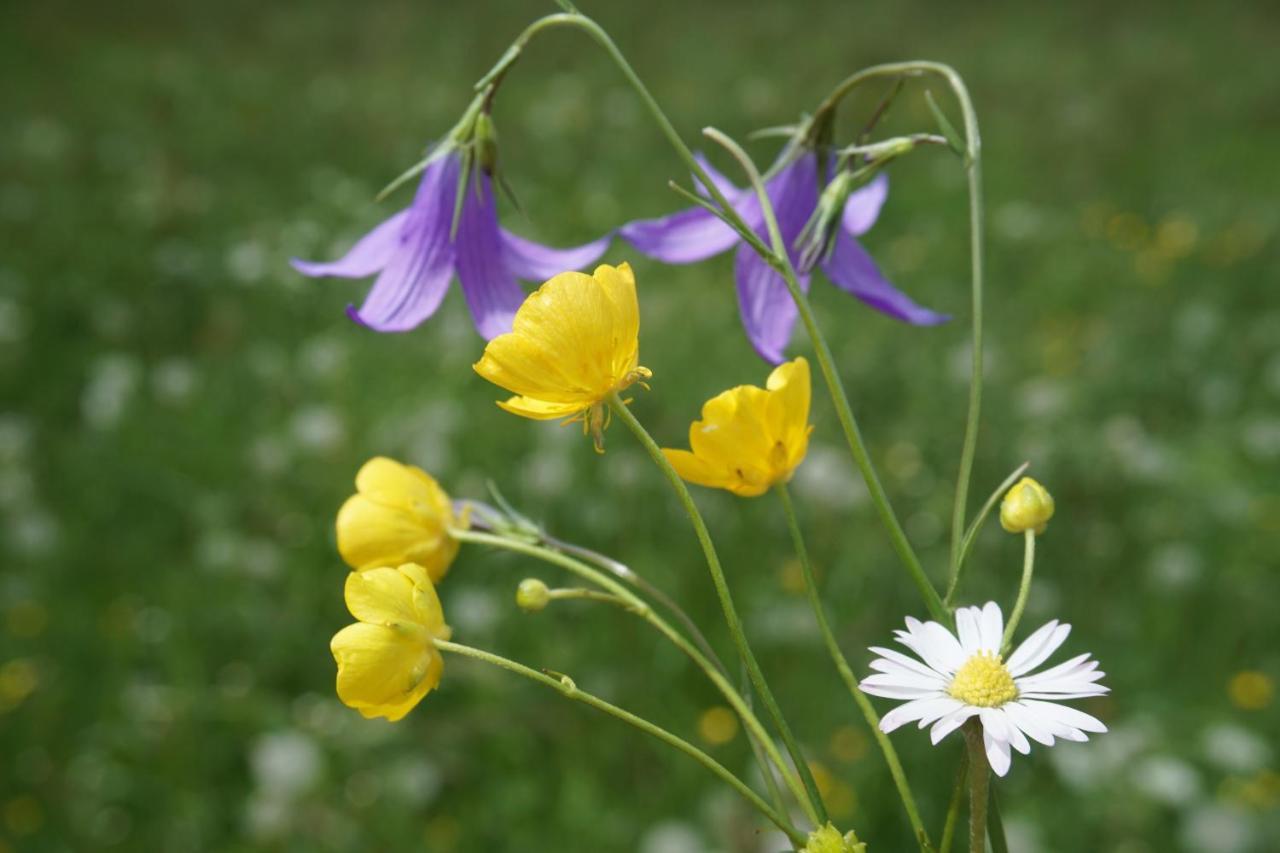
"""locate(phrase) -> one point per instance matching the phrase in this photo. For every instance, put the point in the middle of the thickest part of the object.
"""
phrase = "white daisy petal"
(997, 753)
(1027, 722)
(945, 646)
(903, 678)
(951, 722)
(1059, 670)
(1067, 716)
(993, 722)
(991, 627)
(1016, 738)
(1054, 697)
(967, 628)
(898, 692)
(897, 657)
(1036, 649)
(929, 709)
(932, 652)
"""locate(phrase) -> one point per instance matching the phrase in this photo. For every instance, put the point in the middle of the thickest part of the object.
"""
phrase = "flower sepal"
(827, 839)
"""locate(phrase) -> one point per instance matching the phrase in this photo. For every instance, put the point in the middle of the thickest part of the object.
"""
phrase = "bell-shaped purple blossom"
(415, 256)
(768, 312)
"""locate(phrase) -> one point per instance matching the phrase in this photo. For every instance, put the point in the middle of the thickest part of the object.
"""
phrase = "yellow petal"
(382, 672)
(539, 410)
(789, 387)
(697, 470)
(400, 515)
(733, 432)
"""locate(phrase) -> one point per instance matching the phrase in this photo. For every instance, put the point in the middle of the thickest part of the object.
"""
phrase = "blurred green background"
(182, 415)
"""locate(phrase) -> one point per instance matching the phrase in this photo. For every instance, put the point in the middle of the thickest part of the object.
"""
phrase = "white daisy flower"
(966, 677)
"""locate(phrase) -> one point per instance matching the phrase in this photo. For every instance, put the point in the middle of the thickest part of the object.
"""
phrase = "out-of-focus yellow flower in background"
(387, 661)
(750, 438)
(398, 515)
(1026, 506)
(574, 341)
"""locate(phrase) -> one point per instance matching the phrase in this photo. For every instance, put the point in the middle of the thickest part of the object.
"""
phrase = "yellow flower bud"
(532, 595)
(1027, 506)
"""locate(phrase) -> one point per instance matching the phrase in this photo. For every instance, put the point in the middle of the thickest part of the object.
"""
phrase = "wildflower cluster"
(570, 350)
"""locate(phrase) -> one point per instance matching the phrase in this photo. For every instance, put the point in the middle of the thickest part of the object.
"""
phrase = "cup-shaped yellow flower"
(574, 342)
(750, 438)
(399, 514)
(387, 661)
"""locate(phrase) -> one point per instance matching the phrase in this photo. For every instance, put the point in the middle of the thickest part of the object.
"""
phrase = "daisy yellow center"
(984, 681)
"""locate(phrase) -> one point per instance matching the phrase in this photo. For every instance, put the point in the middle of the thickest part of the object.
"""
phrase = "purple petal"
(681, 238)
(863, 206)
(852, 270)
(532, 261)
(488, 282)
(726, 187)
(369, 255)
(415, 279)
(768, 312)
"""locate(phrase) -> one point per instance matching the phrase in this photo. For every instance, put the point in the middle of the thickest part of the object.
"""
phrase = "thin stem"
(640, 608)
(979, 778)
(566, 687)
(596, 32)
(995, 828)
(953, 810)
(973, 168)
(813, 804)
(844, 413)
(1024, 589)
(846, 672)
(975, 527)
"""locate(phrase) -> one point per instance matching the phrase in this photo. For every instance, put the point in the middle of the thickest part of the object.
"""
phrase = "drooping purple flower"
(768, 312)
(415, 258)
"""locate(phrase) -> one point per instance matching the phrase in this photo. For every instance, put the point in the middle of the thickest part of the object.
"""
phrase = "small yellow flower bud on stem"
(1027, 506)
(532, 595)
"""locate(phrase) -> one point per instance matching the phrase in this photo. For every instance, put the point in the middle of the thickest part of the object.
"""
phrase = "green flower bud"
(486, 139)
(827, 839)
(1027, 506)
(532, 595)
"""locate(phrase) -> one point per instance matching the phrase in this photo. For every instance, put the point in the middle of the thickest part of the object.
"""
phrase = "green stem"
(973, 169)
(975, 526)
(814, 806)
(995, 828)
(979, 778)
(1024, 589)
(781, 261)
(641, 609)
(953, 810)
(846, 672)
(566, 687)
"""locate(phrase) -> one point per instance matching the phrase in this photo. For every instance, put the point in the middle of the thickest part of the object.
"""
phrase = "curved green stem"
(567, 688)
(973, 168)
(781, 261)
(846, 673)
(814, 806)
(979, 779)
(636, 605)
(974, 527)
(1024, 589)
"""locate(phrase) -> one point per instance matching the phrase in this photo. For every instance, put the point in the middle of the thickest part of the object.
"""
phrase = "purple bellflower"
(768, 312)
(417, 252)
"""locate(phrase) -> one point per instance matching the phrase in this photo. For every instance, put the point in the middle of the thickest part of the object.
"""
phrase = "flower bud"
(1027, 506)
(827, 839)
(532, 595)
(486, 138)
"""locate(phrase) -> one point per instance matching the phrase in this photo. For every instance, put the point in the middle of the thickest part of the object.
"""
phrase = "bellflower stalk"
(768, 311)
(417, 252)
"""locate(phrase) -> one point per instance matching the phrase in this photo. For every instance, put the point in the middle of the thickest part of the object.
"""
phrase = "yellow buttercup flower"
(387, 661)
(399, 515)
(574, 341)
(750, 438)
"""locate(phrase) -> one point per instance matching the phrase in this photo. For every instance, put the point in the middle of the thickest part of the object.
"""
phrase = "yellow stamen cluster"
(984, 681)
